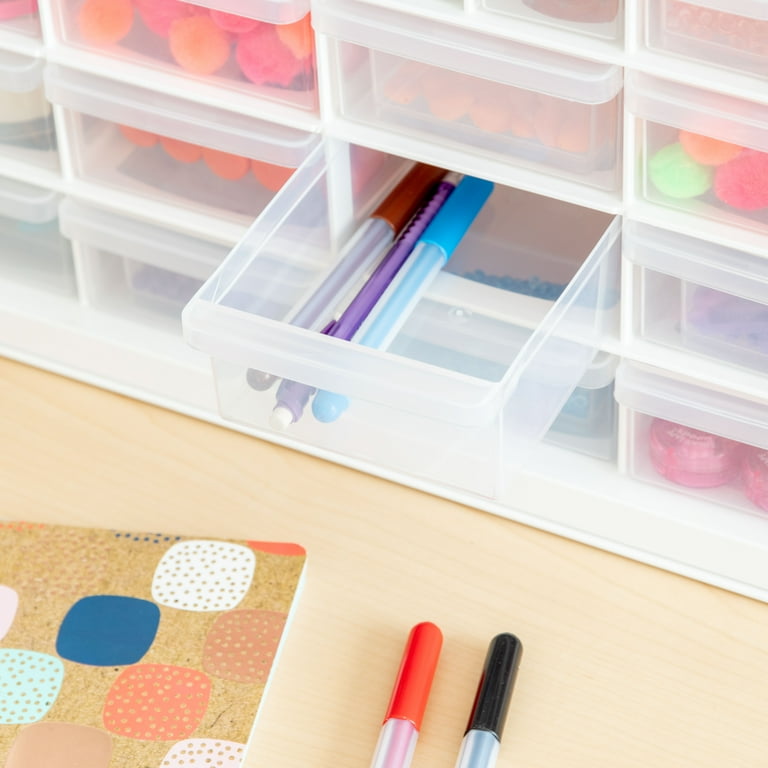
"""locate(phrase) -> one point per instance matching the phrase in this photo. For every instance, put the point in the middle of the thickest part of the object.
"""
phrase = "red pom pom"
(263, 59)
(198, 45)
(230, 22)
(743, 182)
(158, 15)
(105, 22)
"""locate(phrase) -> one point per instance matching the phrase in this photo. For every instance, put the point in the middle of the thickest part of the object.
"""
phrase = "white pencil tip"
(281, 417)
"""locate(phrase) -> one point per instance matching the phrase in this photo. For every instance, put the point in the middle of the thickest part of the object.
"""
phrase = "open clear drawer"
(483, 362)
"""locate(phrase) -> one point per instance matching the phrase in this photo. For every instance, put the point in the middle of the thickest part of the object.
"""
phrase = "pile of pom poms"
(202, 41)
(498, 108)
(223, 164)
(694, 165)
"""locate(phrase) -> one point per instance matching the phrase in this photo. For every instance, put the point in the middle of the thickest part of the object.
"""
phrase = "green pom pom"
(675, 174)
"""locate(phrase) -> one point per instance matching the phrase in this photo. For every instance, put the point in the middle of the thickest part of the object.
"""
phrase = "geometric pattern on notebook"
(241, 645)
(204, 753)
(116, 647)
(204, 575)
(108, 630)
(29, 685)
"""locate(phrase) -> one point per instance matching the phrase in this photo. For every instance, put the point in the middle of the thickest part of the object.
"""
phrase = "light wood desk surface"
(624, 666)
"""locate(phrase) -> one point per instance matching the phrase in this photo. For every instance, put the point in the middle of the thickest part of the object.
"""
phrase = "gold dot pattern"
(241, 645)
(78, 565)
(204, 753)
(204, 575)
(156, 702)
(29, 685)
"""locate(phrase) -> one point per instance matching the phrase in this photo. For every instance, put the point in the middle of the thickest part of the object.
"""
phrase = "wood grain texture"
(624, 665)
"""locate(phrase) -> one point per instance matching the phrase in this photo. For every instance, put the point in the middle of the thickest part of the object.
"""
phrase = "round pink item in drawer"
(754, 474)
(691, 457)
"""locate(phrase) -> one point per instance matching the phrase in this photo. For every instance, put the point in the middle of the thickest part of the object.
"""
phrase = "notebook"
(136, 650)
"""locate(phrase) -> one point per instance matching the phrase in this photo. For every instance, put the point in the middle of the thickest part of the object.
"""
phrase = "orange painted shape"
(156, 702)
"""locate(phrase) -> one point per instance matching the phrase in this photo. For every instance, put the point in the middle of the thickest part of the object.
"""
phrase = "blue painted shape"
(108, 630)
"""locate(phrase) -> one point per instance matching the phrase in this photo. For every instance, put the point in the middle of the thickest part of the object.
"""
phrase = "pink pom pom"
(230, 22)
(263, 59)
(743, 182)
(158, 15)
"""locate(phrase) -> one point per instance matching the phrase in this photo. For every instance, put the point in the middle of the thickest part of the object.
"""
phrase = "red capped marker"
(397, 740)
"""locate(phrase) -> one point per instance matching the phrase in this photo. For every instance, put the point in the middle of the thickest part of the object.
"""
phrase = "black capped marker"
(480, 745)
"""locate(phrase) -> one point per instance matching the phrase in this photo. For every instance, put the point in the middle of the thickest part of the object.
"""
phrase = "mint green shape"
(29, 685)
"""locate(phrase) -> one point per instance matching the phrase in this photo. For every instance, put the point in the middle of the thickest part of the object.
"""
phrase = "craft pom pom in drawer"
(264, 48)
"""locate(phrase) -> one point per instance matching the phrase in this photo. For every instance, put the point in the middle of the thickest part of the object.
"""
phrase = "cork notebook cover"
(136, 650)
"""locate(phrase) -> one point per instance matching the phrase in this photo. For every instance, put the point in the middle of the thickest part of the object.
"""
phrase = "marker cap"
(401, 203)
(417, 669)
(496, 683)
(457, 214)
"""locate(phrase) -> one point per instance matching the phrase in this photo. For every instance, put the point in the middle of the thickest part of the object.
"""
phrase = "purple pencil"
(292, 396)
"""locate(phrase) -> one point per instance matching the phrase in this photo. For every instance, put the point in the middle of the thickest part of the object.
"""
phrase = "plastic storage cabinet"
(701, 152)
(707, 443)
(20, 16)
(472, 377)
(136, 270)
(600, 18)
(475, 92)
(727, 33)
(699, 297)
(27, 130)
(264, 49)
(32, 250)
(171, 151)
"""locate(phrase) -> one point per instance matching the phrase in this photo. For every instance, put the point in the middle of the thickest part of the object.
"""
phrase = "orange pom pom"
(198, 45)
(706, 150)
(182, 151)
(138, 137)
(298, 37)
(271, 176)
(225, 165)
(449, 97)
(105, 22)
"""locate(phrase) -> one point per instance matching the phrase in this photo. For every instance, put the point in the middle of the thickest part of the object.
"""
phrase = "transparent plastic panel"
(702, 152)
(598, 18)
(712, 467)
(190, 175)
(34, 253)
(275, 61)
(588, 422)
(555, 135)
(27, 130)
(699, 296)
(20, 16)
(467, 350)
(710, 444)
(137, 270)
(705, 175)
(732, 35)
